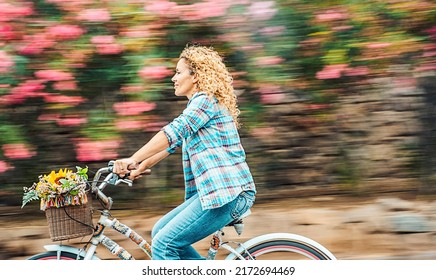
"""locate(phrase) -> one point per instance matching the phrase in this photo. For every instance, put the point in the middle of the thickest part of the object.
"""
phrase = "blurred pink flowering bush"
(85, 75)
(133, 108)
(17, 151)
(96, 150)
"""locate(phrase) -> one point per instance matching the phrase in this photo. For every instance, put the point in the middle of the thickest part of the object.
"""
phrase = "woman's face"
(184, 82)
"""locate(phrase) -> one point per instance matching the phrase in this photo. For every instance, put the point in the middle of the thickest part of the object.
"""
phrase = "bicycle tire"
(53, 256)
(284, 249)
(285, 246)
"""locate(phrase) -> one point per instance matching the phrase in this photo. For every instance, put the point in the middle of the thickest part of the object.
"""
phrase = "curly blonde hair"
(212, 76)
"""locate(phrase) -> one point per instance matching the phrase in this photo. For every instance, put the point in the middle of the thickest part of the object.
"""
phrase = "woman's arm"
(152, 161)
(148, 163)
(156, 145)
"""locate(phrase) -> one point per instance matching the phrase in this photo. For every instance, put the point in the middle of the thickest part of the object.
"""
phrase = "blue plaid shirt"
(213, 158)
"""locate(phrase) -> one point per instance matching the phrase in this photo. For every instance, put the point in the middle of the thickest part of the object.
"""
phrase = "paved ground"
(352, 228)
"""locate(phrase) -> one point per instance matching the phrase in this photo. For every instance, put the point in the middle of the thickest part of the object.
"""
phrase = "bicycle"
(266, 245)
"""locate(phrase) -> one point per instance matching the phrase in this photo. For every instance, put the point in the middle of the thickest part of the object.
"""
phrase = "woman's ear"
(194, 78)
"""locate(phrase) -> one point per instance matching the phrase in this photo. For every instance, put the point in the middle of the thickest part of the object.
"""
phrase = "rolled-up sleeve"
(200, 109)
(173, 142)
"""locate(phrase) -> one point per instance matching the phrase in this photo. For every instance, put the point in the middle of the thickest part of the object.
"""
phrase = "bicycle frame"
(112, 246)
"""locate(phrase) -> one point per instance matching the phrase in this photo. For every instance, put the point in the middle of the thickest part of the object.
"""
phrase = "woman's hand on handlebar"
(142, 169)
(124, 166)
(137, 173)
(130, 168)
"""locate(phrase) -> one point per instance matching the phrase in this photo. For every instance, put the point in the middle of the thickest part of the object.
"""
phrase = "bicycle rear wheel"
(285, 250)
(53, 256)
(282, 247)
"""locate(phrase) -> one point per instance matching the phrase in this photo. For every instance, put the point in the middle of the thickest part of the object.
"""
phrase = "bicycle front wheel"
(282, 246)
(54, 256)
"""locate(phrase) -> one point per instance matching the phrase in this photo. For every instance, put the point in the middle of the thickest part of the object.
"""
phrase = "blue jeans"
(174, 234)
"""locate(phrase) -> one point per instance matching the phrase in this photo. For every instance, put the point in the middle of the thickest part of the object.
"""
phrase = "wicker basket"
(69, 222)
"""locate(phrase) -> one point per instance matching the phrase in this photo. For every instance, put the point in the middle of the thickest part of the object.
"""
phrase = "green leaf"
(74, 192)
(29, 196)
(65, 183)
(82, 172)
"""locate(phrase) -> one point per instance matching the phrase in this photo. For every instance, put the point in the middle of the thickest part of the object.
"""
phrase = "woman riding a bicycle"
(218, 183)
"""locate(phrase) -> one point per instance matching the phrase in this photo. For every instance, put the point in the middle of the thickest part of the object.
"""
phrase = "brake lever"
(116, 180)
(125, 181)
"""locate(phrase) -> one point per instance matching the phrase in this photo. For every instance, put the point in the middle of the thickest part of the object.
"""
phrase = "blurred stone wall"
(373, 139)
(370, 140)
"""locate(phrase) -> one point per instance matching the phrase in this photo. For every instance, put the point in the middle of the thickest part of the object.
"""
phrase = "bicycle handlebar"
(112, 179)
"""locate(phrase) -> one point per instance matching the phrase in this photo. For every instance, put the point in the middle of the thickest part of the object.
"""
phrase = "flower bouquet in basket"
(63, 196)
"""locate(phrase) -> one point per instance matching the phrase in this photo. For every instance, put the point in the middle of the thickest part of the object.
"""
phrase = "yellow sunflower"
(53, 179)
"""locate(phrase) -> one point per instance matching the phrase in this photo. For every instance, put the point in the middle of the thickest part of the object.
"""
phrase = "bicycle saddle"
(238, 224)
(239, 220)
